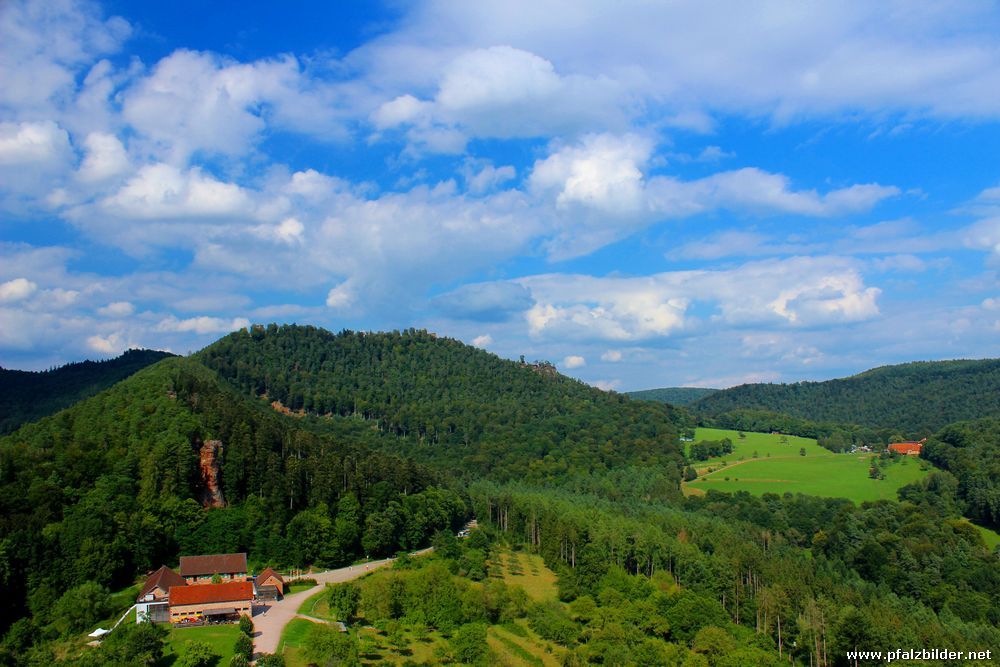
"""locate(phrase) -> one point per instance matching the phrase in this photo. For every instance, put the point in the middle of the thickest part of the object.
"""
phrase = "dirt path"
(270, 620)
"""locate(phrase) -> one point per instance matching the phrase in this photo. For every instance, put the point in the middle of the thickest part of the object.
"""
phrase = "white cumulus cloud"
(16, 290)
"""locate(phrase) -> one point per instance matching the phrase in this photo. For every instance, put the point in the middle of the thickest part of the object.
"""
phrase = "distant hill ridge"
(672, 395)
(918, 397)
(447, 400)
(26, 396)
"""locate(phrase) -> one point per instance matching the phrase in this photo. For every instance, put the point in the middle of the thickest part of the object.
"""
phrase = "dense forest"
(26, 396)
(112, 488)
(451, 404)
(916, 398)
(971, 452)
(802, 577)
(324, 447)
(672, 395)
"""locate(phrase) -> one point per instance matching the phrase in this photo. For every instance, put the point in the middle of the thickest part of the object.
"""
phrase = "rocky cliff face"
(210, 467)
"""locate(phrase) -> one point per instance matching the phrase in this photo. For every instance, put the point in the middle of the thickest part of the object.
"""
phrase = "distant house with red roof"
(202, 569)
(226, 601)
(908, 448)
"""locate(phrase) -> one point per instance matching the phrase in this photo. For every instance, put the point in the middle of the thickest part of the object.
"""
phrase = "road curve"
(270, 620)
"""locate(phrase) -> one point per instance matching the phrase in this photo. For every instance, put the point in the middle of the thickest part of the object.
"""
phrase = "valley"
(607, 526)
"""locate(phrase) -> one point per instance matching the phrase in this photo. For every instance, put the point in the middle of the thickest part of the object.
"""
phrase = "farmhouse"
(909, 448)
(269, 585)
(202, 569)
(153, 599)
(227, 601)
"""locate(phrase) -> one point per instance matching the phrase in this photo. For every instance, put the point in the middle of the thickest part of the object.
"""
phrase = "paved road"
(269, 621)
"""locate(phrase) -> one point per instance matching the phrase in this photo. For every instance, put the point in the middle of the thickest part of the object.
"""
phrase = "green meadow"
(222, 639)
(830, 475)
(761, 444)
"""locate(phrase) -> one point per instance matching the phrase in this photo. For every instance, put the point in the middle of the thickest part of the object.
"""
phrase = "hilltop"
(448, 402)
(26, 396)
(672, 395)
(918, 398)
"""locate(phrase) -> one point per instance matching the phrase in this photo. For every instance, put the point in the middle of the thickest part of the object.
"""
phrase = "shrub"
(469, 643)
(197, 654)
(552, 623)
(244, 646)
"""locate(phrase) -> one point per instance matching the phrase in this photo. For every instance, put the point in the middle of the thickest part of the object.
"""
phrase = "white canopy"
(99, 632)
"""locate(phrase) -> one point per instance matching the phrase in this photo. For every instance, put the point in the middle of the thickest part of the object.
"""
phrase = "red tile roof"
(201, 566)
(231, 591)
(163, 579)
(906, 447)
(268, 572)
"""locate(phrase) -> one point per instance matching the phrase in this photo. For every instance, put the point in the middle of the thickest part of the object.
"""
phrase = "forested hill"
(26, 396)
(449, 402)
(672, 395)
(115, 486)
(917, 398)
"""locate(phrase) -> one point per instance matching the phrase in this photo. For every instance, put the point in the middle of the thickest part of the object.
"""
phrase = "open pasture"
(761, 444)
(831, 475)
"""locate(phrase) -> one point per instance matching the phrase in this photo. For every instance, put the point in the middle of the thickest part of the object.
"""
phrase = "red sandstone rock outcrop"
(210, 467)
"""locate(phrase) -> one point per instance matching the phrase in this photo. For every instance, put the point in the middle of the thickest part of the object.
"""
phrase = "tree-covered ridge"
(672, 395)
(451, 403)
(109, 488)
(918, 398)
(971, 452)
(807, 577)
(26, 396)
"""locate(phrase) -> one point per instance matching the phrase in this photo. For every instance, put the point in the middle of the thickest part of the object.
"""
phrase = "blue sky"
(645, 194)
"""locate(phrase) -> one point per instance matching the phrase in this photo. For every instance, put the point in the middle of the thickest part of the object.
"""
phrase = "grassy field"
(315, 605)
(296, 587)
(526, 570)
(830, 475)
(761, 444)
(291, 642)
(516, 644)
(222, 639)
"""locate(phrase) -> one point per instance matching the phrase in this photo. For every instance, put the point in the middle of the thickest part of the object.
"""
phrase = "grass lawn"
(830, 475)
(527, 571)
(297, 588)
(291, 642)
(761, 443)
(315, 605)
(221, 638)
